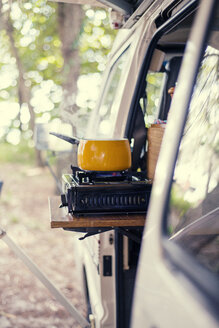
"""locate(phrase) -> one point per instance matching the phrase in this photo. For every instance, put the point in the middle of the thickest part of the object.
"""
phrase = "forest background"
(52, 57)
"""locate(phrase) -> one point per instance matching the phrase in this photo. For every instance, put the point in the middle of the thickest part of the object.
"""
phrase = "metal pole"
(45, 281)
(58, 184)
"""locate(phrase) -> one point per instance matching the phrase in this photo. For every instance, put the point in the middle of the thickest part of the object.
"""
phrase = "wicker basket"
(155, 136)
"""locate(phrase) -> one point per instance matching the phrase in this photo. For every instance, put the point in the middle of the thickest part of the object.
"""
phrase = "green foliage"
(96, 40)
(21, 153)
(153, 89)
(178, 202)
(35, 33)
(14, 219)
(8, 70)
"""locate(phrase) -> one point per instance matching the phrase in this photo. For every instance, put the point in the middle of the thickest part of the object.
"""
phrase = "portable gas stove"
(105, 192)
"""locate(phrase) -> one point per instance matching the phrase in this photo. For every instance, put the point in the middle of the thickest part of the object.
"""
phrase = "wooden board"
(60, 218)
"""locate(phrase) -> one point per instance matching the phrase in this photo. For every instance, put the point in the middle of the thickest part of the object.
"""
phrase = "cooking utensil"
(101, 154)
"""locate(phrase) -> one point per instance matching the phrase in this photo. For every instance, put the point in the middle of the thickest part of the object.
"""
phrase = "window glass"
(150, 104)
(193, 219)
(107, 112)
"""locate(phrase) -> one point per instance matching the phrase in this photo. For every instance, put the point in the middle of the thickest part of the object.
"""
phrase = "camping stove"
(105, 192)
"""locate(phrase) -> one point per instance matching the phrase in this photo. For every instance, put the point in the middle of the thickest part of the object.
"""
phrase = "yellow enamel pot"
(101, 155)
(104, 155)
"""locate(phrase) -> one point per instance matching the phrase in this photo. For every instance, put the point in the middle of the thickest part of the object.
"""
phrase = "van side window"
(107, 111)
(193, 218)
(155, 103)
(154, 84)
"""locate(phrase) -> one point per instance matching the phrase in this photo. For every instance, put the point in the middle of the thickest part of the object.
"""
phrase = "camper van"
(160, 91)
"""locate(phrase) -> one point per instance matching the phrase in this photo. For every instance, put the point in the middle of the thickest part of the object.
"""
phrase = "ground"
(24, 214)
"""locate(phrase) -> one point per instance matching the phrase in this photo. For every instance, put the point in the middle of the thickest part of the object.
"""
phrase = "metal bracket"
(89, 231)
(129, 234)
(88, 234)
(95, 231)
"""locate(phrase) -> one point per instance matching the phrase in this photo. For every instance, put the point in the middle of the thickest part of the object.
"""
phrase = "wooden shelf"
(60, 218)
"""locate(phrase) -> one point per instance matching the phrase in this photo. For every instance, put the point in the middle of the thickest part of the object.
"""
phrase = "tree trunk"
(70, 19)
(70, 22)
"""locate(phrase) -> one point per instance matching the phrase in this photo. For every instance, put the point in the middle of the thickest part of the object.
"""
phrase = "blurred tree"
(96, 40)
(70, 19)
(95, 43)
(31, 33)
(45, 46)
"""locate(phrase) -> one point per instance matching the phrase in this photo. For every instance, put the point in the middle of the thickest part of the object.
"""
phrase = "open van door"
(177, 280)
(123, 6)
(130, 10)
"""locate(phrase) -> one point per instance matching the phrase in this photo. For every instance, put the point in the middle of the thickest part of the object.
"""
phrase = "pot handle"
(66, 138)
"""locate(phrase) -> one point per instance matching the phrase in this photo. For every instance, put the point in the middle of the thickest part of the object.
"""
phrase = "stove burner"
(87, 177)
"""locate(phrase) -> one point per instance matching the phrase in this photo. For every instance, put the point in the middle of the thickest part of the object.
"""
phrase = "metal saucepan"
(100, 154)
